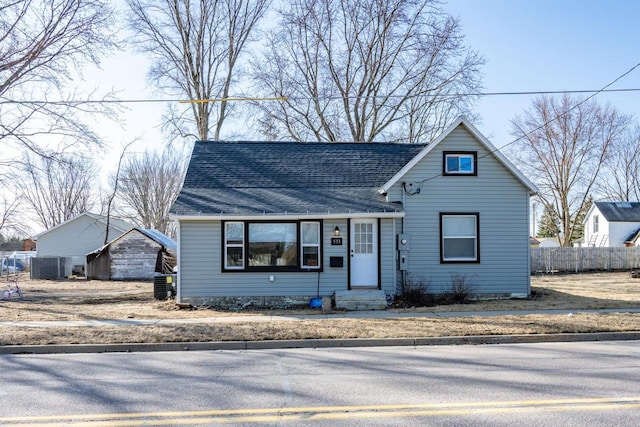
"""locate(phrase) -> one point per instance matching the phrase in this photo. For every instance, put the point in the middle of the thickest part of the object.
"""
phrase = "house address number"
(336, 241)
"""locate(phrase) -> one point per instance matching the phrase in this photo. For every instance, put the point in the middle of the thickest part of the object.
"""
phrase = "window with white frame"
(459, 237)
(596, 224)
(234, 245)
(459, 163)
(272, 246)
(310, 233)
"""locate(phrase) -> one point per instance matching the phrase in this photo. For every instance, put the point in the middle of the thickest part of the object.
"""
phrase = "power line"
(551, 120)
(284, 98)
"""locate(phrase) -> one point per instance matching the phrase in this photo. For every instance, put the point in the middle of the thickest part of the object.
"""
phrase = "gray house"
(281, 221)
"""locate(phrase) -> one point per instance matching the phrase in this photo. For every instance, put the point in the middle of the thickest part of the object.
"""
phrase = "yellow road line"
(324, 412)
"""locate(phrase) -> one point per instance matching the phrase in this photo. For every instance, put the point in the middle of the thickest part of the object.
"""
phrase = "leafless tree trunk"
(196, 46)
(365, 70)
(41, 43)
(56, 190)
(148, 186)
(10, 220)
(563, 145)
(116, 181)
(620, 180)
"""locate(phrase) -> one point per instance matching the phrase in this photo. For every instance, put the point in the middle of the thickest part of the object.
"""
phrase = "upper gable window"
(459, 163)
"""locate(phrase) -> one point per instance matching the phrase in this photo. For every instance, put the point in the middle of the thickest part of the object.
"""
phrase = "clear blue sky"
(545, 45)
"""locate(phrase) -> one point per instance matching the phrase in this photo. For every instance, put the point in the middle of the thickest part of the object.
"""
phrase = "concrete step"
(360, 300)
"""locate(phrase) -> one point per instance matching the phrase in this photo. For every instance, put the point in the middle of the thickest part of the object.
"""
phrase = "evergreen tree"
(549, 224)
(580, 217)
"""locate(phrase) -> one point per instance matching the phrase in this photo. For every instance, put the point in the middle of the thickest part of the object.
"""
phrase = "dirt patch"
(94, 300)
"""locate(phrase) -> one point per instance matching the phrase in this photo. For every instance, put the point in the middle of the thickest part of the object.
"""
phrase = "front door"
(364, 253)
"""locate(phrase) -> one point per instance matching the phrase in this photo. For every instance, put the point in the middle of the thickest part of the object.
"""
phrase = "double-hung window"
(272, 246)
(459, 237)
(310, 233)
(595, 224)
(234, 245)
(459, 163)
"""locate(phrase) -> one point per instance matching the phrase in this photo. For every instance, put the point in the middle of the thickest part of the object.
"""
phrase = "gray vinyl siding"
(500, 199)
(502, 202)
(201, 272)
(388, 265)
(76, 238)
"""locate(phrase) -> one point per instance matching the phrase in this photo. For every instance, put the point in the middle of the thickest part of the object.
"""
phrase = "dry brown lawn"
(96, 300)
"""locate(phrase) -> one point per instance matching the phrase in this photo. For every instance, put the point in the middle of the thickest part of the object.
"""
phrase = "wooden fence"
(547, 260)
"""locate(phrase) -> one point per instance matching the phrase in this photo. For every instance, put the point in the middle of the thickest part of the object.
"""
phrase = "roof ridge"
(354, 143)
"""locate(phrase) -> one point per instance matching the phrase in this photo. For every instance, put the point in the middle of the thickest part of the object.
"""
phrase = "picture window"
(272, 246)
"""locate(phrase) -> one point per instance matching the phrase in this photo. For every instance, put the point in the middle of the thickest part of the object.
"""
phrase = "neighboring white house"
(76, 237)
(612, 224)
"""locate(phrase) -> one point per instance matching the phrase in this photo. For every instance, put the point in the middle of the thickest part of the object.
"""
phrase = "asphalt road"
(568, 384)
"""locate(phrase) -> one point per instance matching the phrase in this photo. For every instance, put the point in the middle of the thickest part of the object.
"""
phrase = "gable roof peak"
(464, 122)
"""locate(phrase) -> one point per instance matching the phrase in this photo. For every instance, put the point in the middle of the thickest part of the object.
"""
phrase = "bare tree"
(148, 186)
(41, 43)
(10, 218)
(620, 180)
(196, 47)
(563, 145)
(365, 70)
(111, 197)
(56, 190)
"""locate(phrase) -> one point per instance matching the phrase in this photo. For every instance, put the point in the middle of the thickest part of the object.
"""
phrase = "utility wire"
(284, 98)
(551, 120)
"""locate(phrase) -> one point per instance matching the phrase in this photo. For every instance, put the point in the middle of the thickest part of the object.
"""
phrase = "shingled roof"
(620, 211)
(289, 178)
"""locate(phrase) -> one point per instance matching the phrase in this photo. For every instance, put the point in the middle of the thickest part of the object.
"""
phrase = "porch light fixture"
(336, 231)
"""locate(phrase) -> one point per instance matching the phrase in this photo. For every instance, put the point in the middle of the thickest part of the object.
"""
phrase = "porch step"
(360, 300)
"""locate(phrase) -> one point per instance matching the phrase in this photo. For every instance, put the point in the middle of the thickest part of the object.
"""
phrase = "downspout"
(403, 273)
(178, 259)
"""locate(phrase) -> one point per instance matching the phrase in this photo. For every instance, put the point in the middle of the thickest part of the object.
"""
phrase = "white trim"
(475, 237)
(481, 138)
(178, 261)
(292, 217)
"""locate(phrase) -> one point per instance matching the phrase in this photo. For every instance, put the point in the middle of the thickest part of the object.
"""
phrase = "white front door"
(364, 253)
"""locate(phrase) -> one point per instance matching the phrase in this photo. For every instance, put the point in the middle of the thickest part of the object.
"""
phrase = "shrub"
(462, 288)
(415, 292)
